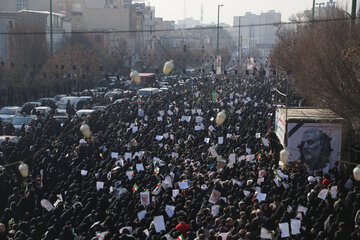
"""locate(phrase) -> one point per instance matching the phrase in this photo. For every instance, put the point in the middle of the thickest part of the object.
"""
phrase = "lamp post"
(51, 29)
(353, 11)
(218, 25)
(284, 154)
(313, 11)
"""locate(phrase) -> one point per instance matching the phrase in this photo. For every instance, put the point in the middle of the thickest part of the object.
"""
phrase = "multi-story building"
(188, 23)
(27, 19)
(108, 22)
(17, 5)
(258, 31)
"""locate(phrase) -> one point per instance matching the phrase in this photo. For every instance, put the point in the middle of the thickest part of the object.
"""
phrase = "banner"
(316, 144)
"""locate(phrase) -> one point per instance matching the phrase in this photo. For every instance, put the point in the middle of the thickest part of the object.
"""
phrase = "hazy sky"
(174, 9)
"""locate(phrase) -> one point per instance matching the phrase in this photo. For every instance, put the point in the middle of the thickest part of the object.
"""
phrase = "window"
(21, 4)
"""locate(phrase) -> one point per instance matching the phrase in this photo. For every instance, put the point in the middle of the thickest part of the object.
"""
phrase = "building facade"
(257, 31)
(37, 19)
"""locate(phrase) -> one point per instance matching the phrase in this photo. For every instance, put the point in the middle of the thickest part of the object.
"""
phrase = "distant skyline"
(174, 9)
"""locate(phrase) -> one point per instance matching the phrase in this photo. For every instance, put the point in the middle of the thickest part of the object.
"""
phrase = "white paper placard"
(265, 234)
(139, 167)
(220, 140)
(141, 214)
(99, 185)
(284, 228)
(295, 226)
(170, 210)
(333, 191)
(214, 197)
(215, 209)
(175, 192)
(84, 172)
(323, 193)
(145, 198)
(183, 185)
(159, 223)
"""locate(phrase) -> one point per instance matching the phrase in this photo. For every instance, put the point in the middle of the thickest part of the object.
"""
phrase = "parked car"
(7, 113)
(43, 101)
(27, 107)
(61, 119)
(42, 111)
(85, 112)
(112, 94)
(13, 139)
(59, 97)
(98, 108)
(60, 112)
(72, 99)
(19, 120)
(148, 91)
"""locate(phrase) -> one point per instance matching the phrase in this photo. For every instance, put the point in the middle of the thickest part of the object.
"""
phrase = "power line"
(183, 29)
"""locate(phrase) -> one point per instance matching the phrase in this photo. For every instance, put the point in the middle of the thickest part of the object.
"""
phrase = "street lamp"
(218, 25)
(51, 29)
(313, 11)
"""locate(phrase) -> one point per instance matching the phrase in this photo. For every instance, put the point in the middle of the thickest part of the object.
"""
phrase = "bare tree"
(324, 59)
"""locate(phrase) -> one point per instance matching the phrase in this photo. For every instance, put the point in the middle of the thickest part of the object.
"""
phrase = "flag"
(180, 237)
(132, 173)
(156, 170)
(214, 97)
(135, 187)
(136, 123)
(157, 189)
(259, 156)
(101, 156)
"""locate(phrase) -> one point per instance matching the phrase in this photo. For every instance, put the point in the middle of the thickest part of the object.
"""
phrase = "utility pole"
(51, 29)
(353, 11)
(313, 11)
(218, 26)
(239, 40)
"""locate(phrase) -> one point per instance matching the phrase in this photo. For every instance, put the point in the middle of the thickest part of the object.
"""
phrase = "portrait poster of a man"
(317, 145)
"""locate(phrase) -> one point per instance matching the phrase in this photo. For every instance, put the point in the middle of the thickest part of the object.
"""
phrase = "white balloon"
(168, 67)
(220, 117)
(135, 76)
(85, 130)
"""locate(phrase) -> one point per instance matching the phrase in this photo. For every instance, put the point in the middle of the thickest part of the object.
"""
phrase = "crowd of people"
(160, 167)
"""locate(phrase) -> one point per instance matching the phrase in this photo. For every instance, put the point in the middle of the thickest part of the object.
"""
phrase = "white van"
(148, 91)
(84, 112)
(73, 101)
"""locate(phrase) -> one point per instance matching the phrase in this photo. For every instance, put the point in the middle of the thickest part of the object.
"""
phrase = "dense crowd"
(161, 168)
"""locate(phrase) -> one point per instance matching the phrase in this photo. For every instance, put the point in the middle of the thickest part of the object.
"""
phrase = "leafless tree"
(324, 59)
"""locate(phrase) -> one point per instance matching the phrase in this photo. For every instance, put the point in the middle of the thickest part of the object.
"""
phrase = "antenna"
(202, 14)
